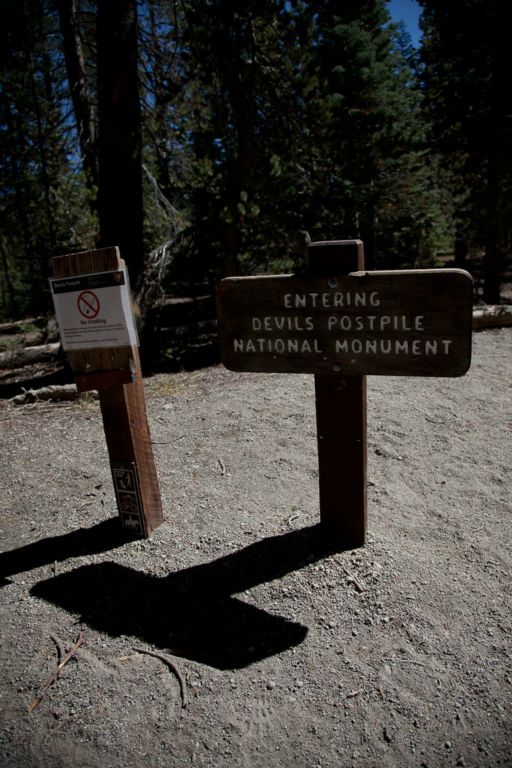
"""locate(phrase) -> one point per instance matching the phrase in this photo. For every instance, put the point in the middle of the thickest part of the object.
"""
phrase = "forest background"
(208, 136)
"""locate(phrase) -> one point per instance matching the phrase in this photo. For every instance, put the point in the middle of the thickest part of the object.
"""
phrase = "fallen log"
(17, 326)
(15, 381)
(19, 356)
(498, 316)
(56, 393)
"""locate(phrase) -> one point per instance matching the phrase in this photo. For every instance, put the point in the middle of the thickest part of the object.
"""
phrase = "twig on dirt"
(440, 421)
(174, 669)
(404, 661)
(59, 646)
(168, 442)
(222, 466)
(56, 672)
(357, 584)
(292, 518)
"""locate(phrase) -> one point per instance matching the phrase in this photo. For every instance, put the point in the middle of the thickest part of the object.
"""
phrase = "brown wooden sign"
(115, 372)
(396, 323)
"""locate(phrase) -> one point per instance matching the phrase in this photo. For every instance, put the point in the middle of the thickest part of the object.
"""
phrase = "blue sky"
(409, 12)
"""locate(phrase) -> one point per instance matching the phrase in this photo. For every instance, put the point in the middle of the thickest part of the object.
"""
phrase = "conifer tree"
(468, 98)
(372, 179)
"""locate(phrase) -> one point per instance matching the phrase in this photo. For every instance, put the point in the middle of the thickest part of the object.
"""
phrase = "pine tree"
(41, 200)
(372, 180)
(465, 57)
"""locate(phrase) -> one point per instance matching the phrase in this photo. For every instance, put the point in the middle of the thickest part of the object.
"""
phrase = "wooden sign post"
(92, 302)
(342, 323)
(341, 423)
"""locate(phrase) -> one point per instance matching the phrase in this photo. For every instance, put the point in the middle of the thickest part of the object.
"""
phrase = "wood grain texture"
(403, 323)
(342, 455)
(341, 420)
(85, 382)
(123, 405)
(128, 440)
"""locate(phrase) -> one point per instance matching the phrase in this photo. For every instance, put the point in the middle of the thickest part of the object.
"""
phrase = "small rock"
(271, 684)
(387, 736)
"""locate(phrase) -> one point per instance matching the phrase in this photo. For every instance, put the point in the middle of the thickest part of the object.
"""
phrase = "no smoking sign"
(88, 305)
(94, 310)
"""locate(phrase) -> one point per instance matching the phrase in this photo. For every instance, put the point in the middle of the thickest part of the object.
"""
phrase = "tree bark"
(120, 203)
(497, 161)
(9, 290)
(79, 89)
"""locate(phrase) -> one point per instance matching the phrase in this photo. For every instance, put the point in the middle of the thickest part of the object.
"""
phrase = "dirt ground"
(292, 654)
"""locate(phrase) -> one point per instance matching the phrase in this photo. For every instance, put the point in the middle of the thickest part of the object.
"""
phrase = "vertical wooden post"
(341, 417)
(116, 374)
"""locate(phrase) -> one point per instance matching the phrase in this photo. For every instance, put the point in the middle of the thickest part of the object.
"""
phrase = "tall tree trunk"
(43, 104)
(497, 206)
(17, 171)
(164, 90)
(239, 89)
(461, 248)
(9, 290)
(120, 203)
(78, 86)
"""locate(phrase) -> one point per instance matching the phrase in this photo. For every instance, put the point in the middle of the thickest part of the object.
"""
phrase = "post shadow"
(101, 537)
(192, 612)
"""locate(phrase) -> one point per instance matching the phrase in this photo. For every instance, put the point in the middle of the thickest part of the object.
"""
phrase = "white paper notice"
(94, 310)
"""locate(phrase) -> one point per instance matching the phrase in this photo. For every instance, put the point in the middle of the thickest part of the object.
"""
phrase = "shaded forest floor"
(397, 654)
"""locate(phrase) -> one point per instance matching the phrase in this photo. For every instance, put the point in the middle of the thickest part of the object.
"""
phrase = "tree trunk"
(497, 205)
(120, 204)
(9, 289)
(43, 102)
(79, 89)
(461, 248)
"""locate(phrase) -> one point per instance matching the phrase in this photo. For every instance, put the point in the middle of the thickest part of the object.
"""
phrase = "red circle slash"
(88, 304)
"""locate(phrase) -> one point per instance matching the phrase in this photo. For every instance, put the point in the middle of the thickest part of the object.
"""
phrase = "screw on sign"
(88, 305)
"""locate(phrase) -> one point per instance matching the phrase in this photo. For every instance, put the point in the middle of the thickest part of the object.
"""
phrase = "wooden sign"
(99, 366)
(402, 323)
(84, 285)
(340, 323)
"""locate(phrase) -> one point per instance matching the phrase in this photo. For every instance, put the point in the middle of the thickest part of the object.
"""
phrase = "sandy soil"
(397, 654)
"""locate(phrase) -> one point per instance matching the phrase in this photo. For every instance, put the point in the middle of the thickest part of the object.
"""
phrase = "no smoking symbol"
(88, 304)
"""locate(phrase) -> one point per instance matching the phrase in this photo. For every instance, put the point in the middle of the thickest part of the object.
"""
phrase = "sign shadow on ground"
(193, 613)
(103, 537)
